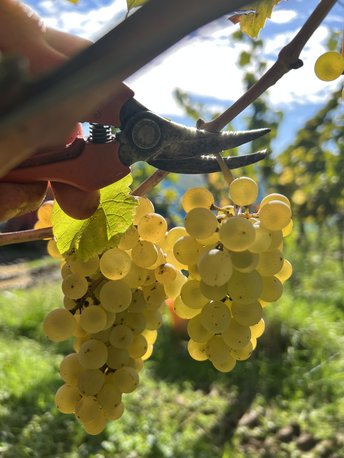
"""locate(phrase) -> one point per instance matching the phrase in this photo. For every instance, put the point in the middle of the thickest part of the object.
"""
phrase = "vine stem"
(287, 60)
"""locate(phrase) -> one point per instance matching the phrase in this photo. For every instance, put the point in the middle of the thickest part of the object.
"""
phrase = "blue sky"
(204, 63)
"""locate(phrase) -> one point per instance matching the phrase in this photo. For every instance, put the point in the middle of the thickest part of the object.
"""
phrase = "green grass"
(184, 409)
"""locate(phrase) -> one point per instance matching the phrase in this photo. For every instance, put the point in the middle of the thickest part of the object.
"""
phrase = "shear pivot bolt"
(146, 134)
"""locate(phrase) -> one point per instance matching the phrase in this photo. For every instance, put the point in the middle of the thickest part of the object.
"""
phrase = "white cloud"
(283, 16)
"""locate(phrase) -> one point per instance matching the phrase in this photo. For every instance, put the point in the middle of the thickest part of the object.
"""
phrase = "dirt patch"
(20, 276)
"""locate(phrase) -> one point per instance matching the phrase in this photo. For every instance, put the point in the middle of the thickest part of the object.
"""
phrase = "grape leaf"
(134, 4)
(252, 22)
(103, 229)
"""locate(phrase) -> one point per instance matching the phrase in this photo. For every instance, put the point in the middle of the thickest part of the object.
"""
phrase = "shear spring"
(100, 133)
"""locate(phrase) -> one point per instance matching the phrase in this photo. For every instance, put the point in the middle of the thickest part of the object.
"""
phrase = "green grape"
(225, 366)
(53, 250)
(79, 331)
(276, 240)
(197, 197)
(329, 66)
(173, 235)
(136, 322)
(136, 276)
(171, 259)
(126, 379)
(150, 335)
(197, 331)
(144, 357)
(93, 319)
(191, 295)
(152, 227)
(217, 350)
(244, 353)
(186, 250)
(270, 262)
(182, 310)
(262, 240)
(245, 287)
(65, 270)
(138, 347)
(70, 369)
(244, 261)
(84, 269)
(243, 191)
(275, 215)
(215, 267)
(150, 277)
(68, 303)
(115, 264)
(44, 213)
(247, 314)
(129, 239)
(286, 271)
(144, 253)
(215, 317)
(74, 286)
(93, 354)
(153, 319)
(59, 325)
(110, 318)
(274, 196)
(236, 336)
(154, 295)
(237, 233)
(117, 357)
(165, 273)
(272, 289)
(66, 398)
(216, 293)
(115, 296)
(121, 336)
(197, 350)
(144, 206)
(87, 409)
(258, 329)
(109, 397)
(287, 230)
(115, 413)
(172, 289)
(200, 223)
(213, 239)
(138, 302)
(90, 381)
(97, 425)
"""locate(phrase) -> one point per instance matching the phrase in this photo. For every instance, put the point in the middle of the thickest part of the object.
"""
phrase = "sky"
(204, 64)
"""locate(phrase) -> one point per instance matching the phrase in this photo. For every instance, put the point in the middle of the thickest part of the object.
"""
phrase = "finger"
(76, 203)
(65, 43)
(17, 199)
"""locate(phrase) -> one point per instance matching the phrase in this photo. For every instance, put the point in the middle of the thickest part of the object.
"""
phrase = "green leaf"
(102, 230)
(251, 24)
(134, 4)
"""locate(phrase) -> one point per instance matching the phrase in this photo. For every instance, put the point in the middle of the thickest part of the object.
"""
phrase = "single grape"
(182, 310)
(138, 347)
(272, 289)
(243, 191)
(247, 314)
(66, 398)
(270, 262)
(286, 271)
(136, 276)
(87, 409)
(90, 381)
(97, 425)
(197, 350)
(258, 329)
(126, 379)
(236, 336)
(138, 302)
(70, 368)
(115, 296)
(121, 336)
(197, 197)
(274, 196)
(165, 273)
(262, 240)
(197, 331)
(152, 227)
(186, 250)
(109, 397)
(59, 325)
(200, 223)
(329, 66)
(129, 239)
(93, 319)
(83, 268)
(115, 413)
(241, 354)
(245, 287)
(117, 357)
(115, 264)
(52, 249)
(215, 267)
(150, 335)
(275, 215)
(44, 213)
(137, 322)
(154, 295)
(93, 354)
(216, 293)
(215, 317)
(172, 289)
(237, 233)
(225, 366)
(153, 319)
(244, 261)
(144, 253)
(144, 206)
(217, 350)
(191, 295)
(173, 235)
(74, 286)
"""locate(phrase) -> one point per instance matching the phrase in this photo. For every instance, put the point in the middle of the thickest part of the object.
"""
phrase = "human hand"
(23, 33)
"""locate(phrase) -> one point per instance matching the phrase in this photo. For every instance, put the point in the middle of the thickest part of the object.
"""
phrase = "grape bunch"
(329, 66)
(112, 309)
(235, 268)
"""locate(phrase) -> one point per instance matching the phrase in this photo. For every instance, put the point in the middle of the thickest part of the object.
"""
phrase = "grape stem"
(288, 59)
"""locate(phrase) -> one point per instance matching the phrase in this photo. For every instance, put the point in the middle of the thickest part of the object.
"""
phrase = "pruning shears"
(103, 158)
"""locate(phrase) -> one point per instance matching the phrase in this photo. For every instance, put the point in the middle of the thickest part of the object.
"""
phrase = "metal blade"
(206, 164)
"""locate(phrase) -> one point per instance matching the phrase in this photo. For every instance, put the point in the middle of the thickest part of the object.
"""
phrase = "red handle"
(87, 166)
